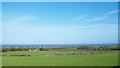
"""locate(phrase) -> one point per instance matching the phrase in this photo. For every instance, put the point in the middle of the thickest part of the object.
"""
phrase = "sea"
(54, 45)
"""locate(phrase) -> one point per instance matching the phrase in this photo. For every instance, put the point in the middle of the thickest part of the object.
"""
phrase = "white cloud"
(112, 12)
(18, 31)
(60, 34)
(18, 21)
(81, 17)
(100, 18)
(104, 17)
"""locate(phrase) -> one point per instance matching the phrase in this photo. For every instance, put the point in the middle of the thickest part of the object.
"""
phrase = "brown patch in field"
(91, 53)
(2, 55)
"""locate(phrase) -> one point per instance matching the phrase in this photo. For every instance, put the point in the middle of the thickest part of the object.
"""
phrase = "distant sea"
(54, 45)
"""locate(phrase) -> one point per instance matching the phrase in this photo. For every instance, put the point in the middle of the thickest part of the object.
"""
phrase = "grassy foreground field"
(42, 58)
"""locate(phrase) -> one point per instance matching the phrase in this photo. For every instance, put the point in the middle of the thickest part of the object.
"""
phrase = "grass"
(41, 58)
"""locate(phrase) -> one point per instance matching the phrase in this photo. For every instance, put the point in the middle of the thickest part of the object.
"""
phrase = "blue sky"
(60, 22)
(60, 1)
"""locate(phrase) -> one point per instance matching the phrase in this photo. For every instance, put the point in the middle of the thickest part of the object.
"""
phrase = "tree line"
(62, 48)
(99, 47)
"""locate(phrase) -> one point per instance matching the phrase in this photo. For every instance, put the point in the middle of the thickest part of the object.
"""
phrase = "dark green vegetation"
(114, 47)
(61, 56)
(54, 58)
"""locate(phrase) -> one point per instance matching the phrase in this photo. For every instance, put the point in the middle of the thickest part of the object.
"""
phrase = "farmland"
(70, 57)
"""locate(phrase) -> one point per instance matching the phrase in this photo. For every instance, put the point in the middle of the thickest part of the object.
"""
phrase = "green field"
(43, 58)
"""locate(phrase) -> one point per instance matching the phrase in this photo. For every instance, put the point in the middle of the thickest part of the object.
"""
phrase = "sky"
(0, 23)
(60, 0)
(59, 22)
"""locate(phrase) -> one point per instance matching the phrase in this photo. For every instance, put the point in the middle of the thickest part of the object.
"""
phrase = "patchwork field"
(61, 58)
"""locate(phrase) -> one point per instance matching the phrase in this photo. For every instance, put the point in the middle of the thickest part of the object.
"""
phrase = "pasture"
(52, 58)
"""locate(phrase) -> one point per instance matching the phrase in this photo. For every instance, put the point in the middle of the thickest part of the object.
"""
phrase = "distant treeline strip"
(61, 48)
